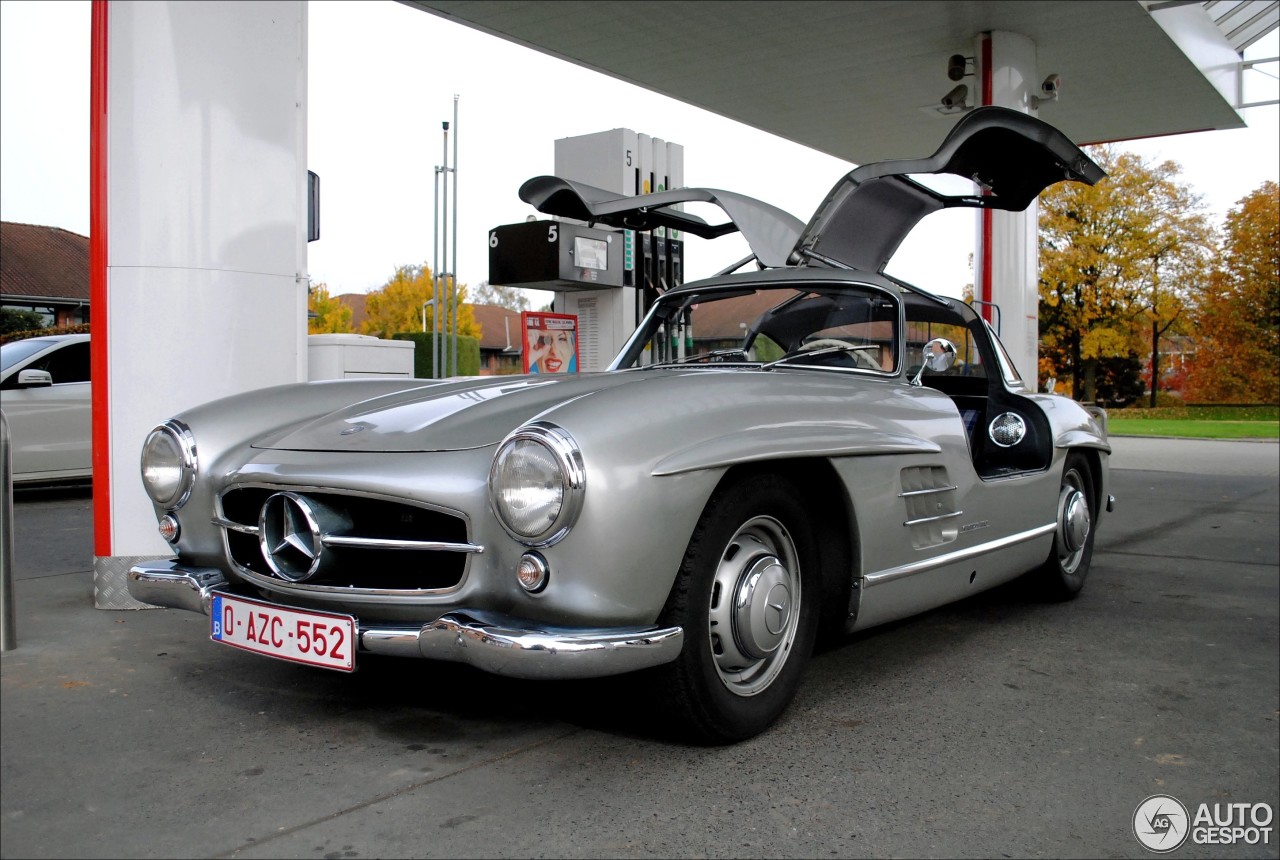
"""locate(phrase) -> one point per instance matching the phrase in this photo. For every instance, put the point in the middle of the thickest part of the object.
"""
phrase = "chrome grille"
(382, 545)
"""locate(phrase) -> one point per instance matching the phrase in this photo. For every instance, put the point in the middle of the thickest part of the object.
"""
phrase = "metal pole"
(435, 279)
(444, 274)
(455, 257)
(8, 629)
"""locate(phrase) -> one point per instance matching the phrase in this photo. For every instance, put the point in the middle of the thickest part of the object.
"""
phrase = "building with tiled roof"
(500, 341)
(46, 270)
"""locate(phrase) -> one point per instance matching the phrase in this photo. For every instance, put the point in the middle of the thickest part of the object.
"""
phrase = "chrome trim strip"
(371, 543)
(934, 519)
(223, 522)
(889, 575)
(906, 494)
(502, 645)
(394, 543)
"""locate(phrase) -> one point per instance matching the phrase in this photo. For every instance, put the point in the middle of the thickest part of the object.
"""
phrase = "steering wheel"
(824, 342)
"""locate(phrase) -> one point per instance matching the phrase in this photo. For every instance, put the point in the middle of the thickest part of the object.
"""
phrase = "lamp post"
(424, 313)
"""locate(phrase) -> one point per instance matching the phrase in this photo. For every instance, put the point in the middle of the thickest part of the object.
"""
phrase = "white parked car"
(45, 394)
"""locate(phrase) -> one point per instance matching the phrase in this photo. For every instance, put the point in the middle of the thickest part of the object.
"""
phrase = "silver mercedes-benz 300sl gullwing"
(848, 450)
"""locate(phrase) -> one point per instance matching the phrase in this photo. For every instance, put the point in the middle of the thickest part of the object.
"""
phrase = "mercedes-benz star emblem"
(289, 537)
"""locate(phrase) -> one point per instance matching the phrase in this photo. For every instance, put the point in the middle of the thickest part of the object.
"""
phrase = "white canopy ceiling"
(862, 80)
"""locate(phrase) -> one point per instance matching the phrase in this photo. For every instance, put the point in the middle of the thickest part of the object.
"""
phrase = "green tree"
(13, 320)
(1237, 317)
(398, 305)
(332, 316)
(1117, 260)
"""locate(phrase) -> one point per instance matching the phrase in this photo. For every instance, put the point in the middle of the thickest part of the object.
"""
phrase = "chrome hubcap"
(1074, 522)
(754, 606)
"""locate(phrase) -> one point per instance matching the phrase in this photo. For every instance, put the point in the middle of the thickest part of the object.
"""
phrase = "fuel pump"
(635, 267)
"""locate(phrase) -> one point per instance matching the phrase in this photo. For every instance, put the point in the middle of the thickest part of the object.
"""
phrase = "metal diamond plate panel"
(110, 581)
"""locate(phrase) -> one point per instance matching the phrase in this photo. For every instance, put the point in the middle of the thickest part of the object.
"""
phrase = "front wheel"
(1062, 574)
(747, 598)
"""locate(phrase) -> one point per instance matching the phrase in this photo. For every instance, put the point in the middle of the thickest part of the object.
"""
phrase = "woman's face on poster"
(561, 352)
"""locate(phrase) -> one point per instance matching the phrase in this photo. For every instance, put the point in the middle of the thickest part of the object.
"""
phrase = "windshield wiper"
(716, 356)
(808, 353)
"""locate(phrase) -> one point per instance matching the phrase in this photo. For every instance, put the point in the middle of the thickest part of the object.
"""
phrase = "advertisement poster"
(550, 342)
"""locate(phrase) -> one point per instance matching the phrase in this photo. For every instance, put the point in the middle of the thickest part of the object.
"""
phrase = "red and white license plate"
(301, 635)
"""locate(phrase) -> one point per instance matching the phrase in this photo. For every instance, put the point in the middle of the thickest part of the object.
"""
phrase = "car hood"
(444, 416)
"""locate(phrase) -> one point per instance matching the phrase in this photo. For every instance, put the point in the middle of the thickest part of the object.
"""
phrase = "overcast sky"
(383, 77)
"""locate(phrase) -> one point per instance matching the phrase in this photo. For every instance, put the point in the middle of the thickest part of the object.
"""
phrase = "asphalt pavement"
(998, 726)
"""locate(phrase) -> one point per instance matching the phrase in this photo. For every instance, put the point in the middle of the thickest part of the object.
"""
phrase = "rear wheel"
(1062, 574)
(747, 598)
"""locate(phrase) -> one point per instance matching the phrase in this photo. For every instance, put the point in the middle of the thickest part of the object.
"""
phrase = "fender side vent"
(930, 500)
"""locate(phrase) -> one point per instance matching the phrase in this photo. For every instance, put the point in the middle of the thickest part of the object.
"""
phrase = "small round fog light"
(169, 528)
(532, 572)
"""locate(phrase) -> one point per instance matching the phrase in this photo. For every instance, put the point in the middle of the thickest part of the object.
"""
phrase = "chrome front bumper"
(497, 644)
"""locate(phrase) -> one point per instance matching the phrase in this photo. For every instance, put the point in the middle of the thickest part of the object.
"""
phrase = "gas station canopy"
(863, 81)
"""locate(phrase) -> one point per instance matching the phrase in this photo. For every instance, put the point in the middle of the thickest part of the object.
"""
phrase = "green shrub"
(468, 353)
(81, 328)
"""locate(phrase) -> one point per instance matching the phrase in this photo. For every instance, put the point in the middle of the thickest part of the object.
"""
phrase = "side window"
(69, 364)
(969, 359)
(765, 349)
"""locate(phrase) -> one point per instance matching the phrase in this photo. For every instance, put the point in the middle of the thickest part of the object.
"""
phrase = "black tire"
(1063, 573)
(741, 665)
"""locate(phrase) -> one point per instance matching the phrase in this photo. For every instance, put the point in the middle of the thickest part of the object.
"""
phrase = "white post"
(1007, 258)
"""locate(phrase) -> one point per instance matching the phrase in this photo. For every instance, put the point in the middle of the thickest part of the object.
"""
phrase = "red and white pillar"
(198, 261)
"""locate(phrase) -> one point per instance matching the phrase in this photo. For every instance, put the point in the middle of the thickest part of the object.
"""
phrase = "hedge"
(468, 353)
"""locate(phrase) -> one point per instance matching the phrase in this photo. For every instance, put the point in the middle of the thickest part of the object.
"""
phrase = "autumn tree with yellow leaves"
(1119, 261)
(1237, 317)
(326, 314)
(397, 306)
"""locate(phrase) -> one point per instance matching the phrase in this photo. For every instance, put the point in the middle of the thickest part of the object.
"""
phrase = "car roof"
(51, 339)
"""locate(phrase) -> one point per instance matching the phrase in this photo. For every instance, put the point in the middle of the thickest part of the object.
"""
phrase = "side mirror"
(34, 378)
(938, 356)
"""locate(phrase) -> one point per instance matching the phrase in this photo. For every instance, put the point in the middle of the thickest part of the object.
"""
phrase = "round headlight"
(536, 484)
(169, 464)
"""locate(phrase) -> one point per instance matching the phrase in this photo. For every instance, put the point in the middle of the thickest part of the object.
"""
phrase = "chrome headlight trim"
(567, 455)
(184, 445)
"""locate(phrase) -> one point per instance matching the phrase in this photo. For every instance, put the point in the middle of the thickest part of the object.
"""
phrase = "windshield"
(836, 326)
(20, 350)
